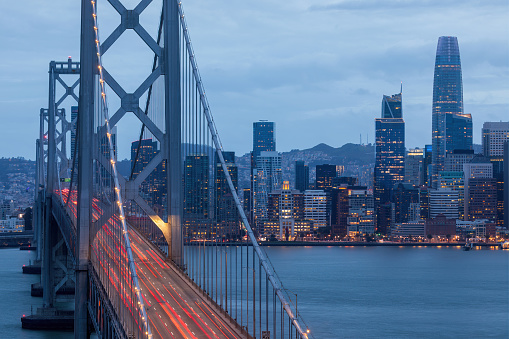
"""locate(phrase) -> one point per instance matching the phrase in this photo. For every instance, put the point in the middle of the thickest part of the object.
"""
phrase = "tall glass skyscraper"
(264, 137)
(390, 157)
(452, 129)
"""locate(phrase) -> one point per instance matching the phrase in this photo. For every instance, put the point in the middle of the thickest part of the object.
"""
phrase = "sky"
(317, 68)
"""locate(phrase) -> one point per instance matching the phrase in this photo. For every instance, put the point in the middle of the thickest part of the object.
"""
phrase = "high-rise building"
(267, 177)
(390, 157)
(226, 214)
(482, 199)
(301, 176)
(315, 207)
(454, 180)
(506, 184)
(426, 165)
(424, 202)
(478, 168)
(324, 175)
(451, 128)
(494, 135)
(153, 187)
(286, 214)
(454, 161)
(413, 166)
(405, 203)
(266, 173)
(264, 137)
(361, 213)
(196, 187)
(339, 209)
(391, 106)
(443, 201)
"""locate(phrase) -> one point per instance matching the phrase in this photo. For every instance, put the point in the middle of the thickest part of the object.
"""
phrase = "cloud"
(383, 5)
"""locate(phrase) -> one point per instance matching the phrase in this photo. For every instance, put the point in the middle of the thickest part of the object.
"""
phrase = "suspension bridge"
(146, 253)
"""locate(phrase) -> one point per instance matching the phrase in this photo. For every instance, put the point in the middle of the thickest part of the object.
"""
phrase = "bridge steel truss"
(239, 279)
(52, 163)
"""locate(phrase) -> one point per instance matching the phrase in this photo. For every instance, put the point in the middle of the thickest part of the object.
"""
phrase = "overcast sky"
(317, 68)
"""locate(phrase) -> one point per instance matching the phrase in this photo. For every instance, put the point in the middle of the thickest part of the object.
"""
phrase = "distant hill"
(346, 154)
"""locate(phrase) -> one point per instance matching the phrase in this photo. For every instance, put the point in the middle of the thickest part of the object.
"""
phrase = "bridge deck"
(175, 308)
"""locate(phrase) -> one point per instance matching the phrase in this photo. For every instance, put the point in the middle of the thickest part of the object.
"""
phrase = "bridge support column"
(171, 62)
(47, 265)
(85, 167)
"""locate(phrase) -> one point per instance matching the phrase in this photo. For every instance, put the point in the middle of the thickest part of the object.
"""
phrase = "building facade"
(390, 157)
(451, 128)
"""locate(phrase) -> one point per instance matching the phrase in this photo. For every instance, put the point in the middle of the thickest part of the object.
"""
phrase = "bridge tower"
(166, 65)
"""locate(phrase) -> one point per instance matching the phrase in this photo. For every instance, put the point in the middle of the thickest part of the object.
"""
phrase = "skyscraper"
(324, 175)
(301, 176)
(153, 187)
(494, 134)
(267, 177)
(196, 185)
(262, 183)
(226, 214)
(452, 129)
(390, 156)
(264, 137)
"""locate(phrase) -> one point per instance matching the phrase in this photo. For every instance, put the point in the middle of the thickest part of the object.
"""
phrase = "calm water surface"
(350, 292)
(398, 292)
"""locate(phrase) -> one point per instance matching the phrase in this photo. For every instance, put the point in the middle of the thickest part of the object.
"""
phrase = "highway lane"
(175, 309)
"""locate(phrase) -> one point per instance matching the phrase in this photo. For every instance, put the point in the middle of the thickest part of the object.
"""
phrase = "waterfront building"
(443, 201)
(315, 208)
(390, 156)
(480, 169)
(286, 214)
(301, 176)
(451, 128)
(479, 228)
(414, 166)
(361, 212)
(454, 181)
(441, 226)
(482, 199)
(267, 177)
(409, 229)
(226, 214)
(12, 224)
(339, 210)
(405, 203)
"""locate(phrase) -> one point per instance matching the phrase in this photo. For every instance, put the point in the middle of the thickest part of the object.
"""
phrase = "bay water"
(349, 292)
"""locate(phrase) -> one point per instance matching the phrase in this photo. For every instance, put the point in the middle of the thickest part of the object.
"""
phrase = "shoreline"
(344, 244)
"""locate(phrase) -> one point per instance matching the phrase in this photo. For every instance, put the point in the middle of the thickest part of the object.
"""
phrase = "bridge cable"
(125, 232)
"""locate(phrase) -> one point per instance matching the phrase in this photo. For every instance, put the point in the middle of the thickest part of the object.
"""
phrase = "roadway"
(175, 308)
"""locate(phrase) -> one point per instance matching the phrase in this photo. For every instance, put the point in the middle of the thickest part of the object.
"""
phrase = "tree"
(448, 236)
(429, 237)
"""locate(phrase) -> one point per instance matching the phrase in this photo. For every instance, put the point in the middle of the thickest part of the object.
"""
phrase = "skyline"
(299, 79)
